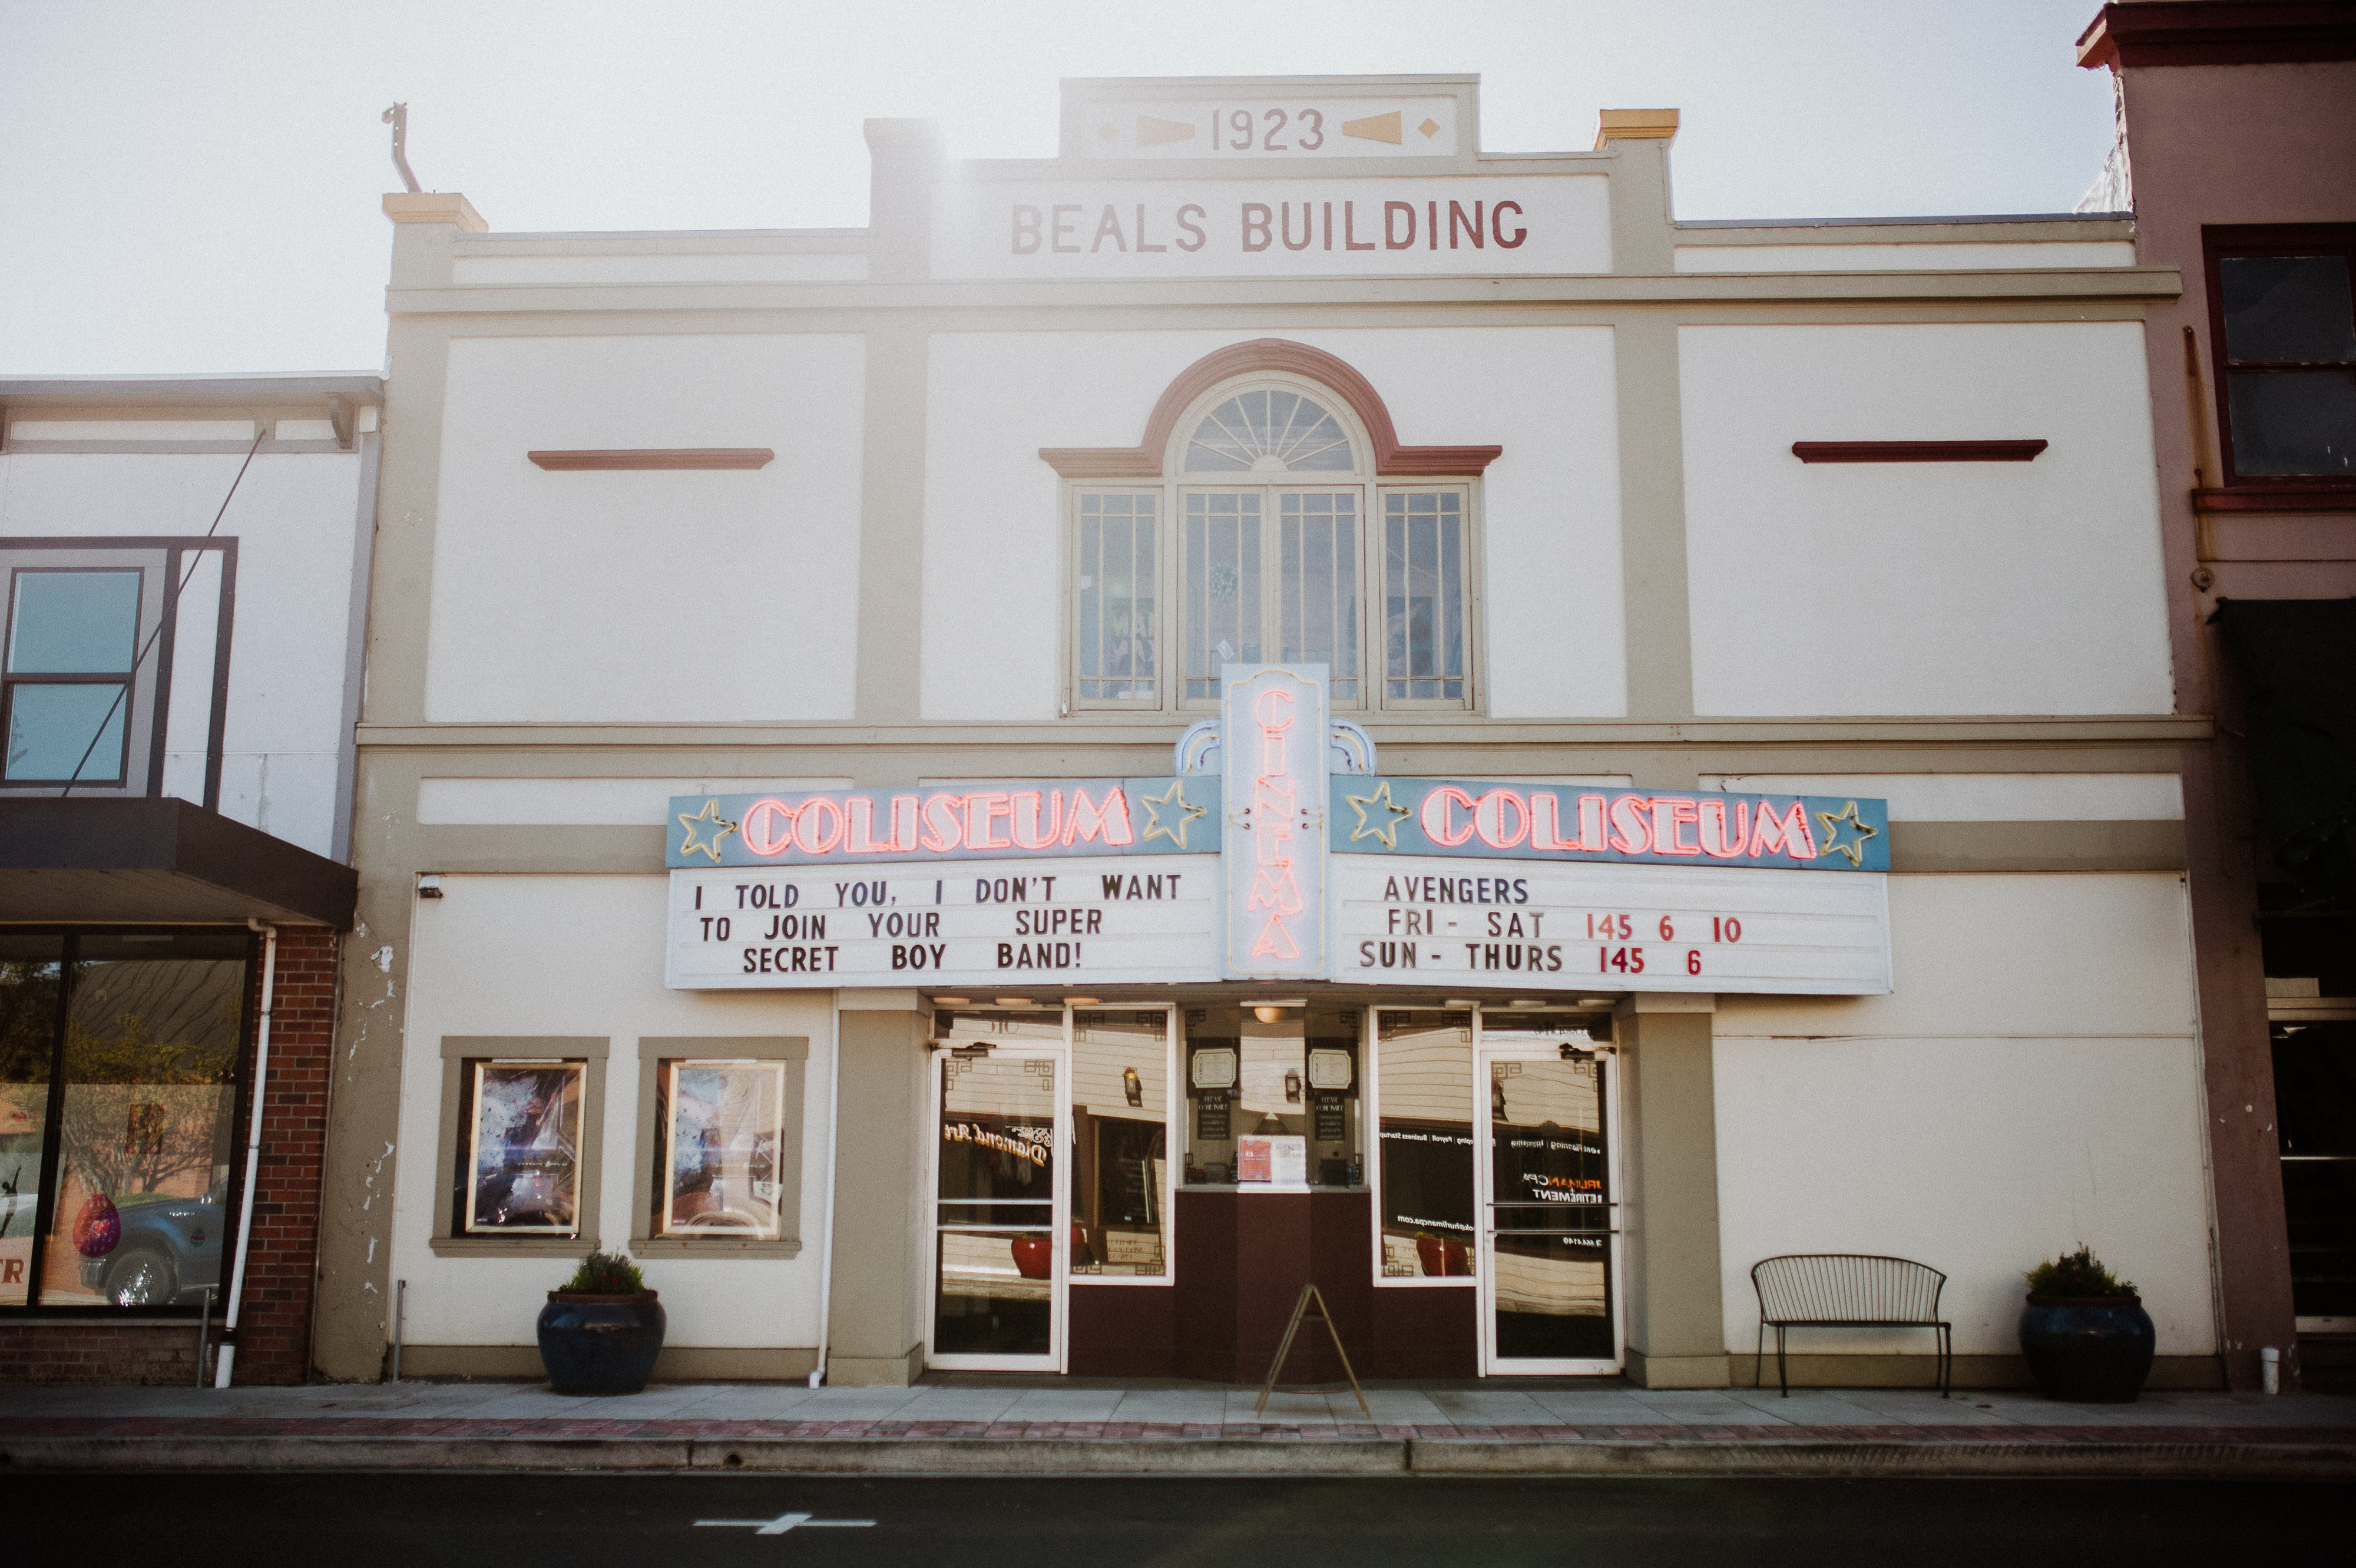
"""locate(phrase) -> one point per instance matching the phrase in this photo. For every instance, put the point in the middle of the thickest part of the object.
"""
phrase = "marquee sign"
(1279, 868)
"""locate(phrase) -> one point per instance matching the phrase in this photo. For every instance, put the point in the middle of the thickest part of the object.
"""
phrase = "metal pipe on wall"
(826, 1222)
(228, 1356)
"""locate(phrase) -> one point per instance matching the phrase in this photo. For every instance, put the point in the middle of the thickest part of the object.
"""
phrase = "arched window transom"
(1269, 432)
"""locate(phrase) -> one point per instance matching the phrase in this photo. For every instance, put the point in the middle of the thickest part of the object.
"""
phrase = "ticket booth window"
(1273, 1098)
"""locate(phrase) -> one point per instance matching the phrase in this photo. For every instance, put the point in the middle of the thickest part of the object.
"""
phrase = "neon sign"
(996, 820)
(1437, 816)
(1275, 753)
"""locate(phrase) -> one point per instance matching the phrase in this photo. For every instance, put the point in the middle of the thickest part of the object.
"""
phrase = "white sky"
(193, 187)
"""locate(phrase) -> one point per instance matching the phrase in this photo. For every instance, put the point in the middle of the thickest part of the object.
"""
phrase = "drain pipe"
(228, 1354)
(826, 1222)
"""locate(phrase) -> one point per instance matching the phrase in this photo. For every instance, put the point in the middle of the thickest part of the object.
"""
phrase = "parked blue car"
(170, 1250)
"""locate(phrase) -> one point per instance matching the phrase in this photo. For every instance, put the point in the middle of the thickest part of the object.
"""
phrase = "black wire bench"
(1846, 1290)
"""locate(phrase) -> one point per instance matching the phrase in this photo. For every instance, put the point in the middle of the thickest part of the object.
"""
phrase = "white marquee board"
(1425, 920)
(1103, 920)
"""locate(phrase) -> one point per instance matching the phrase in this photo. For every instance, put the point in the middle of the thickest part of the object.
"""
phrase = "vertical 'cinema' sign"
(1272, 741)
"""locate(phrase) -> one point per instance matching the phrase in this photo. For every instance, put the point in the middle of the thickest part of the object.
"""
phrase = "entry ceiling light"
(1525, 1001)
(1081, 1001)
(1272, 1010)
(952, 1000)
(1460, 1002)
(1015, 1002)
(1596, 1001)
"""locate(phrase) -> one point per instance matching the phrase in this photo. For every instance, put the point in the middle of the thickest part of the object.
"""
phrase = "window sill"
(712, 1248)
(510, 1247)
(2327, 496)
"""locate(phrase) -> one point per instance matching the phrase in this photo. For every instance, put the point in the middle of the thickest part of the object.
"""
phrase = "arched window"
(1270, 516)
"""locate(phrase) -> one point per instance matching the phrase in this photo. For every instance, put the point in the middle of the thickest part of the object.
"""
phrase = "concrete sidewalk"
(1605, 1429)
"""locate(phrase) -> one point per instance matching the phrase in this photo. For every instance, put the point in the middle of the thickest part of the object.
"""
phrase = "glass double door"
(999, 1203)
(1548, 1267)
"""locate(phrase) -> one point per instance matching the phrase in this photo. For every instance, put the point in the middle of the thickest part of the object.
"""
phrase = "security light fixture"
(429, 884)
(1132, 1086)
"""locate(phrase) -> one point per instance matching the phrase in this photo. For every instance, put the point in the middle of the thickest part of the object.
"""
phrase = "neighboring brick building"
(182, 565)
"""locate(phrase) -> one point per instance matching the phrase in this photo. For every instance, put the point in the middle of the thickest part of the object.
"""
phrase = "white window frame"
(1170, 604)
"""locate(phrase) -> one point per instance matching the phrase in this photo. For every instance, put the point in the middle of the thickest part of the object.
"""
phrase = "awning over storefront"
(162, 861)
(2297, 662)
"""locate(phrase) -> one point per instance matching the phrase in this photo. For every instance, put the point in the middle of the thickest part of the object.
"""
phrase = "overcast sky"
(194, 187)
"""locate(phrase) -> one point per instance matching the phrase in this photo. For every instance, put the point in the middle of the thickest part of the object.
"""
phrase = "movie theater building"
(1274, 699)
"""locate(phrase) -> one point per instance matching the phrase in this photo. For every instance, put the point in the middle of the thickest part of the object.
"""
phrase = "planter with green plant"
(601, 1333)
(2084, 1331)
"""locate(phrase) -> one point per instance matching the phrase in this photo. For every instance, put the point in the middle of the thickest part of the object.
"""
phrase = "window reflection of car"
(170, 1250)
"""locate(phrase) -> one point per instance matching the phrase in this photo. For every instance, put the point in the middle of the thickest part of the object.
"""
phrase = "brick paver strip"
(547, 1427)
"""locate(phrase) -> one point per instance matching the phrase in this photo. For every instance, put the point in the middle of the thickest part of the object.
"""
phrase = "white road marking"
(785, 1521)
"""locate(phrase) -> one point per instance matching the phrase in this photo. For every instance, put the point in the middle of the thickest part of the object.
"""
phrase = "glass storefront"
(1070, 1143)
(118, 1095)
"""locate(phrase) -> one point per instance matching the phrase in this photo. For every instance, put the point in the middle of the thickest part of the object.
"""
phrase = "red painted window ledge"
(659, 458)
(1916, 451)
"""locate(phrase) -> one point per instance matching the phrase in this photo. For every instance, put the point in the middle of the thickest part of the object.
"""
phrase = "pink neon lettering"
(1026, 819)
(981, 809)
(1545, 826)
(1111, 819)
(1713, 829)
(760, 828)
(1438, 825)
(1590, 824)
(1632, 833)
(813, 838)
(1273, 887)
(1787, 834)
(862, 828)
(944, 826)
(903, 822)
(1489, 818)
(1669, 814)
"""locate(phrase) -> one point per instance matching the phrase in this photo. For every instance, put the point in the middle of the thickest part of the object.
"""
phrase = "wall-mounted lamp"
(429, 884)
(1132, 1086)
(1293, 1088)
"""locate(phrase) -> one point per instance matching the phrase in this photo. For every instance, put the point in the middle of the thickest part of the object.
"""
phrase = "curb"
(1192, 1456)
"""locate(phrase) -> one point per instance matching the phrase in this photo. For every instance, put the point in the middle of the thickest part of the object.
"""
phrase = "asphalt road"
(281, 1519)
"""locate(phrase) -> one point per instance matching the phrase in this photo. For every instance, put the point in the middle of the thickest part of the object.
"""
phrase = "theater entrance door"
(1547, 1196)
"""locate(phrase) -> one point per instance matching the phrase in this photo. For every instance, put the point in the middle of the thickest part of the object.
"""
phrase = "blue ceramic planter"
(2087, 1349)
(600, 1344)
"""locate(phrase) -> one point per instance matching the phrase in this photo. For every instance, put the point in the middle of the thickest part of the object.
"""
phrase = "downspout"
(826, 1224)
(252, 1153)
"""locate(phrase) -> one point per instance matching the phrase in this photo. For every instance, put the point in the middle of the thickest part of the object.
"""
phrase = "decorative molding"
(657, 457)
(2205, 32)
(2322, 496)
(1392, 460)
(1917, 451)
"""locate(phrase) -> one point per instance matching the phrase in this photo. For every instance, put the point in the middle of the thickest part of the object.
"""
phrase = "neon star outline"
(1187, 812)
(1855, 848)
(1388, 831)
(710, 846)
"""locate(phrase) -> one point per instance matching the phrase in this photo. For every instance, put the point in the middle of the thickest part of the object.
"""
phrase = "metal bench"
(1847, 1290)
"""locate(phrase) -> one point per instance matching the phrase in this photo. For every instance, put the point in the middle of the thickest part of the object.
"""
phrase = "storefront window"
(521, 1168)
(1272, 1096)
(31, 972)
(1423, 1083)
(723, 1124)
(118, 1067)
(1120, 1144)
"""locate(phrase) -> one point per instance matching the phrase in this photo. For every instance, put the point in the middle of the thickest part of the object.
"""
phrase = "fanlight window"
(1270, 432)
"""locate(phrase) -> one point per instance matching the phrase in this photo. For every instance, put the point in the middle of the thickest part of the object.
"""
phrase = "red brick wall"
(274, 1327)
(273, 1335)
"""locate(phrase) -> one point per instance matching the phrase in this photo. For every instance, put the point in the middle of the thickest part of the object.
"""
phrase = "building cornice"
(2218, 32)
